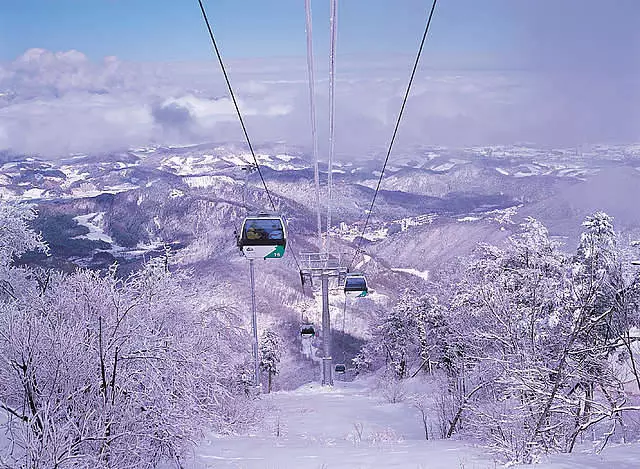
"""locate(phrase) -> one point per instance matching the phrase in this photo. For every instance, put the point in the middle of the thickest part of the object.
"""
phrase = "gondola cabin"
(263, 236)
(355, 285)
(307, 331)
(340, 368)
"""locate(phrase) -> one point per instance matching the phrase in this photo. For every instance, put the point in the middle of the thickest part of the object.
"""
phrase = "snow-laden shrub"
(391, 388)
(385, 437)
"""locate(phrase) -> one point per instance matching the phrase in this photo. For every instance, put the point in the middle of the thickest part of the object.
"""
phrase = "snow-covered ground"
(94, 221)
(351, 426)
(418, 273)
(338, 428)
(613, 457)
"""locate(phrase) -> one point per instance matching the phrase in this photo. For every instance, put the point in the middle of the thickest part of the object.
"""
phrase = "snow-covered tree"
(534, 329)
(396, 335)
(432, 332)
(607, 303)
(270, 355)
(411, 333)
(363, 361)
(102, 371)
(16, 237)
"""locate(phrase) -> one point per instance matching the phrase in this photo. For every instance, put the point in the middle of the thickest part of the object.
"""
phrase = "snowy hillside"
(450, 314)
(453, 186)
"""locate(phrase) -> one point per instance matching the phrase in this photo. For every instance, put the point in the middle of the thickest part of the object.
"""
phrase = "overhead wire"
(395, 130)
(235, 103)
(312, 110)
(332, 72)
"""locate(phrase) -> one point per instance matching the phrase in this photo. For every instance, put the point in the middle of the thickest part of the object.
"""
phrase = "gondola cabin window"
(264, 230)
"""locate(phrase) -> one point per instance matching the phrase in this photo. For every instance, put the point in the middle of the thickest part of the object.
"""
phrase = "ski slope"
(350, 426)
(337, 428)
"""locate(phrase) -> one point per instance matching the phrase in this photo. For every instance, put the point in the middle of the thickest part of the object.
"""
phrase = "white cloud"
(74, 124)
(4, 138)
(54, 103)
(218, 109)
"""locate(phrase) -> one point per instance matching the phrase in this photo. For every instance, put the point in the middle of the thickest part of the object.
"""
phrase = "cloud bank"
(55, 103)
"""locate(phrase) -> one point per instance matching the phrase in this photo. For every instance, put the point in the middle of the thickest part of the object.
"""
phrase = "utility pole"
(254, 325)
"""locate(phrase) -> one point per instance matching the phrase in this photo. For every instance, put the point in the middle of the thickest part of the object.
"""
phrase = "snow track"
(337, 428)
(351, 427)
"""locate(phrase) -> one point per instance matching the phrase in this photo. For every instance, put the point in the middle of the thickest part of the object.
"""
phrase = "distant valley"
(435, 203)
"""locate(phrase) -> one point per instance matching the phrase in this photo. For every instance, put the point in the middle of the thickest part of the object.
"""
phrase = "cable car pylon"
(254, 328)
(326, 267)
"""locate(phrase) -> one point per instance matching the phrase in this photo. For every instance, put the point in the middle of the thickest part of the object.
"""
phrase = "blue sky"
(172, 30)
(586, 55)
(496, 33)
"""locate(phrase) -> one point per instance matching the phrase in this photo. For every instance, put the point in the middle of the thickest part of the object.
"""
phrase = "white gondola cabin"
(341, 368)
(355, 285)
(307, 331)
(263, 236)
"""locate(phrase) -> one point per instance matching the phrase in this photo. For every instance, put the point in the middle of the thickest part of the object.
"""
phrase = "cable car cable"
(332, 106)
(235, 103)
(395, 130)
(312, 110)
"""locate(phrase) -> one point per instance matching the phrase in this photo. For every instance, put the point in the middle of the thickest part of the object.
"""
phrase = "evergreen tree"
(431, 329)
(269, 354)
(395, 336)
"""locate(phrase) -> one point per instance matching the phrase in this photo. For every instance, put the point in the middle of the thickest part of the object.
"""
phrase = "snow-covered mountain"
(174, 194)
